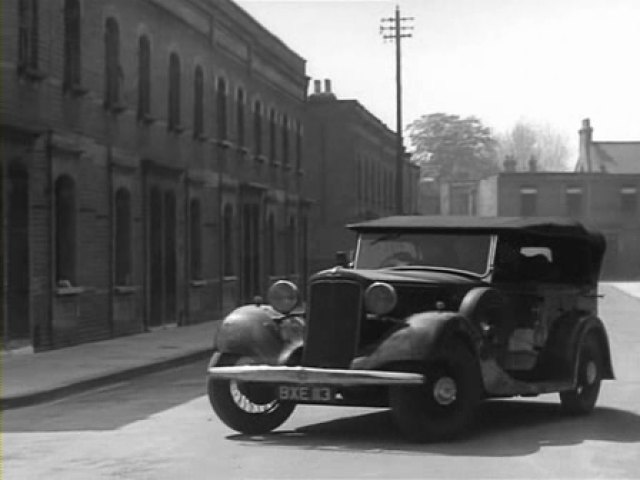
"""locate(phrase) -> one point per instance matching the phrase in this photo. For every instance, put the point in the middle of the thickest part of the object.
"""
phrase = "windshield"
(460, 252)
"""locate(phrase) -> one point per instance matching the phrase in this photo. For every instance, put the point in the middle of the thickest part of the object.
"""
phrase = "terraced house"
(146, 144)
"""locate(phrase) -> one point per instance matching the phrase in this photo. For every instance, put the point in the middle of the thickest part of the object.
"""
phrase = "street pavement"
(30, 378)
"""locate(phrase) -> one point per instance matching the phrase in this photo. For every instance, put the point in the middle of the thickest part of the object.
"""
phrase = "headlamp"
(380, 298)
(283, 296)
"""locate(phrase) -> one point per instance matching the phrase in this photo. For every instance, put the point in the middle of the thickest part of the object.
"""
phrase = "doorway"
(17, 255)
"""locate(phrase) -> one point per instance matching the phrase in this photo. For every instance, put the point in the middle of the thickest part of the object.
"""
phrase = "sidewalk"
(29, 378)
(630, 288)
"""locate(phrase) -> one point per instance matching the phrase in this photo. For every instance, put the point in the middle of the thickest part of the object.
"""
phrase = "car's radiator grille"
(333, 324)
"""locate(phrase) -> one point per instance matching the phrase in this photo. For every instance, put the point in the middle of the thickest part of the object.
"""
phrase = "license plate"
(305, 393)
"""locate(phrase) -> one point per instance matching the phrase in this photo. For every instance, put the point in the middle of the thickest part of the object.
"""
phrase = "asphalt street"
(161, 426)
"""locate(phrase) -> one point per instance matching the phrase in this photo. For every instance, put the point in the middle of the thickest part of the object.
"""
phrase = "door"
(17, 249)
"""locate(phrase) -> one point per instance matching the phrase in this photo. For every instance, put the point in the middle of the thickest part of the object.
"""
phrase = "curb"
(55, 393)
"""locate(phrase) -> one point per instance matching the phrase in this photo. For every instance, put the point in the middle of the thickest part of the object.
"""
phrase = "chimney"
(317, 87)
(509, 164)
(327, 85)
(586, 135)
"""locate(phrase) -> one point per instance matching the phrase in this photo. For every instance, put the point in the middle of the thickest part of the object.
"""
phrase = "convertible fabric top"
(539, 225)
(555, 229)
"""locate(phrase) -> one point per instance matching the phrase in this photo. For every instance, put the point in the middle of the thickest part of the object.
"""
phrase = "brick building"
(145, 145)
(350, 172)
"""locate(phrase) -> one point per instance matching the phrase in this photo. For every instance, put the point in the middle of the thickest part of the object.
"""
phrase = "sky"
(549, 62)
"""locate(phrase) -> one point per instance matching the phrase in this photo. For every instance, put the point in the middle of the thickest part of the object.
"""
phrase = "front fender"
(251, 330)
(419, 339)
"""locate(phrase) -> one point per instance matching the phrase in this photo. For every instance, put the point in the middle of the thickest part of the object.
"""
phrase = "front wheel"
(250, 408)
(443, 407)
(582, 399)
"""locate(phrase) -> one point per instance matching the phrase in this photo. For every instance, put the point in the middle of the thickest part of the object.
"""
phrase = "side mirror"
(342, 260)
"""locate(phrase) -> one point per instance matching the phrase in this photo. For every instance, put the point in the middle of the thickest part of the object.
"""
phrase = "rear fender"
(564, 342)
(419, 340)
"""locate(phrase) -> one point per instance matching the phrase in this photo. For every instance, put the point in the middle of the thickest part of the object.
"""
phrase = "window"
(271, 246)
(285, 140)
(195, 240)
(528, 201)
(240, 117)
(629, 200)
(65, 231)
(28, 36)
(72, 39)
(174, 94)
(123, 237)
(574, 201)
(290, 245)
(113, 72)
(221, 100)
(272, 135)
(298, 146)
(144, 78)
(228, 241)
(198, 103)
(257, 127)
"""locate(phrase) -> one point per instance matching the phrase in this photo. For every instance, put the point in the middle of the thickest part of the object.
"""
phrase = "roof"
(539, 225)
(616, 157)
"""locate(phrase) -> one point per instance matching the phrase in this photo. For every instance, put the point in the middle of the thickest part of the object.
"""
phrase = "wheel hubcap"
(590, 373)
(445, 391)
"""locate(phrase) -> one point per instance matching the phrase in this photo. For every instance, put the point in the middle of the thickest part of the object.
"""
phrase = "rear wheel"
(246, 407)
(443, 407)
(582, 399)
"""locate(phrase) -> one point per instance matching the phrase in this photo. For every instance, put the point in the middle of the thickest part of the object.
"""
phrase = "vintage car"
(433, 315)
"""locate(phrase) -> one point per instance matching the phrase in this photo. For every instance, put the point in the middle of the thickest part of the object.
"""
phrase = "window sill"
(69, 291)
(115, 108)
(243, 150)
(230, 278)
(125, 289)
(32, 74)
(198, 283)
(200, 137)
(76, 90)
(146, 119)
(226, 144)
(177, 129)
(260, 158)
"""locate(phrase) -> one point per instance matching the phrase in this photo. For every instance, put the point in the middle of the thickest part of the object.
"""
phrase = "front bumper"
(308, 375)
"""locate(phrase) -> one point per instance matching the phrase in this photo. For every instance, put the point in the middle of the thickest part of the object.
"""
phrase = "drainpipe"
(52, 271)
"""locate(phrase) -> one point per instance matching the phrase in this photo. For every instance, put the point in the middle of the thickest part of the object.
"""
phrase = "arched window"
(292, 252)
(298, 146)
(228, 241)
(271, 246)
(272, 135)
(65, 231)
(240, 117)
(221, 100)
(113, 72)
(173, 113)
(71, 45)
(195, 239)
(257, 127)
(122, 237)
(28, 35)
(285, 140)
(144, 78)
(198, 103)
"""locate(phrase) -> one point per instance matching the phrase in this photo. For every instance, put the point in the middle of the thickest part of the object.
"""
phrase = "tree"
(453, 148)
(527, 140)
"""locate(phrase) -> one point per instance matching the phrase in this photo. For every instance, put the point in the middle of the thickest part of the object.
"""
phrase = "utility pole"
(394, 29)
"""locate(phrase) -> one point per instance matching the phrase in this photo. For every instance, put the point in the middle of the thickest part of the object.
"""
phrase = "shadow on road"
(504, 428)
